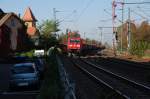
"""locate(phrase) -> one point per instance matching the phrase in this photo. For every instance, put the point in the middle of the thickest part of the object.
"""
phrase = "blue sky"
(82, 15)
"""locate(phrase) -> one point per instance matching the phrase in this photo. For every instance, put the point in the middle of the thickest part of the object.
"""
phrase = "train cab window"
(74, 41)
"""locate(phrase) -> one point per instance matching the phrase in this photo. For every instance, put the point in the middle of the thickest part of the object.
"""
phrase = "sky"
(84, 16)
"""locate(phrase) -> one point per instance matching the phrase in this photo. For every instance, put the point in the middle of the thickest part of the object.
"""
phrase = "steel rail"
(139, 65)
(143, 87)
(99, 80)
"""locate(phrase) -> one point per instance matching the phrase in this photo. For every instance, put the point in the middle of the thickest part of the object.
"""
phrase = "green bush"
(51, 86)
(139, 47)
(28, 53)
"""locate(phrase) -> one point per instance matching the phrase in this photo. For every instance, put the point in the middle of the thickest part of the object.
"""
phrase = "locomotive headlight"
(78, 45)
(70, 45)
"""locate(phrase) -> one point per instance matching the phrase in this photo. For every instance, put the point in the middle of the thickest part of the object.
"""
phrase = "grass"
(146, 57)
(51, 87)
(28, 54)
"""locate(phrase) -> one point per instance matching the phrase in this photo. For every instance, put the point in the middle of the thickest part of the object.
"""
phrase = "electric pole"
(114, 4)
(114, 28)
(101, 35)
(129, 30)
(113, 23)
(54, 13)
(101, 29)
(122, 21)
(122, 27)
(84, 35)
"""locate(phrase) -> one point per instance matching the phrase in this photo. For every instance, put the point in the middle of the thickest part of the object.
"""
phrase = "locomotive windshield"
(74, 41)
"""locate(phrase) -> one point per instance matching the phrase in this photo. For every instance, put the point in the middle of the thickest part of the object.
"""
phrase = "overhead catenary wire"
(84, 9)
(81, 14)
(133, 2)
(106, 20)
(136, 3)
(68, 16)
(139, 14)
(146, 8)
(143, 11)
(110, 14)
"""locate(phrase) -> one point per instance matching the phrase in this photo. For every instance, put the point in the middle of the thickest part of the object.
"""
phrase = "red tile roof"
(31, 31)
(28, 15)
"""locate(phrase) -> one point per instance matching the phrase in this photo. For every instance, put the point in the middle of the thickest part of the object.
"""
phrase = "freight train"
(79, 46)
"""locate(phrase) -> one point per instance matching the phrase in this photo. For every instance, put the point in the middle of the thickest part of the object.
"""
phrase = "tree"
(48, 27)
(69, 34)
(47, 33)
(143, 32)
(140, 38)
(124, 34)
(73, 34)
(63, 38)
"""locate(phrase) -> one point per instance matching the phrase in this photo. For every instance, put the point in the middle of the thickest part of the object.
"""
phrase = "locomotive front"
(74, 45)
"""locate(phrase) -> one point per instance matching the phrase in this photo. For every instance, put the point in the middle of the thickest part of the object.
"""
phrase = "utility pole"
(114, 4)
(129, 30)
(113, 19)
(122, 21)
(114, 28)
(84, 35)
(113, 23)
(122, 27)
(54, 13)
(101, 35)
(101, 29)
(55, 20)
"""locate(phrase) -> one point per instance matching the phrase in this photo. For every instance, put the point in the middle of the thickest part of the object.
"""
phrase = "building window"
(26, 24)
(12, 23)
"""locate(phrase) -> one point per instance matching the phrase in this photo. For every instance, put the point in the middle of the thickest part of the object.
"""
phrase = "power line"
(146, 9)
(143, 11)
(106, 27)
(106, 20)
(114, 4)
(68, 16)
(111, 14)
(137, 3)
(133, 2)
(138, 14)
(84, 9)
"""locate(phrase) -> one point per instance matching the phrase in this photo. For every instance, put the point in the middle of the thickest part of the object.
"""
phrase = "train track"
(123, 86)
(127, 62)
(36, 92)
(137, 72)
(135, 64)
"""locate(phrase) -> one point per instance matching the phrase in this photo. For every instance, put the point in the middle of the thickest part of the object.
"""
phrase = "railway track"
(137, 72)
(123, 86)
(142, 65)
(132, 63)
(85, 87)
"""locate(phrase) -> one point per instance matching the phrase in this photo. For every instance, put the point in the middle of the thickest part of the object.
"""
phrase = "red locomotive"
(75, 44)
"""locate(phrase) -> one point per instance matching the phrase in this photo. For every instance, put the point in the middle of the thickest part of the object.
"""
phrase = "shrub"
(139, 47)
(51, 86)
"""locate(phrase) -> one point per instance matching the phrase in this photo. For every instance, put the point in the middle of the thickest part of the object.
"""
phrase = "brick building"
(13, 35)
